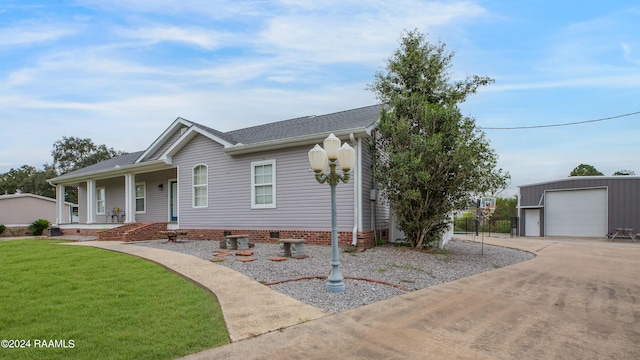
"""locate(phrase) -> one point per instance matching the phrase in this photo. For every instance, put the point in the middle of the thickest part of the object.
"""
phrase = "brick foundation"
(134, 232)
(80, 232)
(140, 232)
(368, 239)
(345, 238)
(17, 231)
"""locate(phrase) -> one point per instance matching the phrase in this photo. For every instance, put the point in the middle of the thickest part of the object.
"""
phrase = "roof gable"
(272, 133)
(175, 136)
(256, 138)
(189, 134)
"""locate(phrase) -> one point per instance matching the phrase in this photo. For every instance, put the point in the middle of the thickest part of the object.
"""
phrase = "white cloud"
(592, 45)
(120, 81)
(27, 34)
(214, 9)
(595, 53)
(630, 80)
(354, 31)
(628, 54)
(202, 38)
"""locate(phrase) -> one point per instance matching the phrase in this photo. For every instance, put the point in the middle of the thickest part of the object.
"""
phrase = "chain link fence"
(467, 225)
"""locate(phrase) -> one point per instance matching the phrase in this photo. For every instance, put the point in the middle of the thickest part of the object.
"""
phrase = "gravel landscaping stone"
(390, 270)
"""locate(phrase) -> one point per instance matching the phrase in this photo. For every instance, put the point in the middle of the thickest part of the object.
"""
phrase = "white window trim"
(273, 184)
(193, 188)
(144, 197)
(101, 190)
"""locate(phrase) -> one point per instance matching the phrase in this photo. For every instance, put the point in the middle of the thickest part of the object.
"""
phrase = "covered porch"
(112, 200)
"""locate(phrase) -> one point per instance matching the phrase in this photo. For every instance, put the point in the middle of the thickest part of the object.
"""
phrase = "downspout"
(519, 195)
(357, 188)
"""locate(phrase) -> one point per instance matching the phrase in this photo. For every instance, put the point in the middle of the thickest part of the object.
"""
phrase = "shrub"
(466, 223)
(39, 226)
(502, 226)
(2, 228)
(16, 231)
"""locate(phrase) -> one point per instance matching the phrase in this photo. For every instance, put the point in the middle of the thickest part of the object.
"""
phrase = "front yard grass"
(106, 305)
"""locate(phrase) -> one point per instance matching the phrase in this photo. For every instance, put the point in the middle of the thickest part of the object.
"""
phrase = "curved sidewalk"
(576, 300)
(249, 308)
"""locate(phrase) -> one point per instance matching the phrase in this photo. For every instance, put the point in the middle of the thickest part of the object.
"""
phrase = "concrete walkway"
(249, 308)
(579, 299)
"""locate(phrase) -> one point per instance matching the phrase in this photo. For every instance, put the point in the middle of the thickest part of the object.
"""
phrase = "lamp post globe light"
(333, 154)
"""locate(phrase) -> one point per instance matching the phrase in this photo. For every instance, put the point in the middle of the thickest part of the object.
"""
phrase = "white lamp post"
(319, 158)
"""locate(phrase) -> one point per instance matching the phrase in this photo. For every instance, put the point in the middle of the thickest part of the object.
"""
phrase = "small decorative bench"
(237, 242)
(172, 235)
(298, 248)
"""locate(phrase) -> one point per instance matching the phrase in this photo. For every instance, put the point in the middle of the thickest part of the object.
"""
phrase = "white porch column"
(60, 208)
(91, 201)
(130, 198)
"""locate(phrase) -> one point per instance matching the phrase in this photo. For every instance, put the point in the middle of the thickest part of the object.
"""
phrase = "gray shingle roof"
(220, 134)
(343, 120)
(323, 124)
(122, 160)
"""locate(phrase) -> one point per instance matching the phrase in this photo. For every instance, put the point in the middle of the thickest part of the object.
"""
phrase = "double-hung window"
(141, 197)
(101, 201)
(200, 186)
(263, 184)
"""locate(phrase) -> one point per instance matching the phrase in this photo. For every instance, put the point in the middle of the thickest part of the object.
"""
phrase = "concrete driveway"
(579, 299)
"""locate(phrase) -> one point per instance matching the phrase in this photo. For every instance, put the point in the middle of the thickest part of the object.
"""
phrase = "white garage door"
(576, 213)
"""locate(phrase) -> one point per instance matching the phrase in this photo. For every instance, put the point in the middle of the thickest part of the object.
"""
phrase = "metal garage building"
(580, 206)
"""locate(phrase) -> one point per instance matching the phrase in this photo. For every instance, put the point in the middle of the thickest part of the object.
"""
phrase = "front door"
(532, 222)
(173, 201)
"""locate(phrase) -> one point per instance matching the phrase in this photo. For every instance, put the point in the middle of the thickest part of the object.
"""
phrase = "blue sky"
(120, 71)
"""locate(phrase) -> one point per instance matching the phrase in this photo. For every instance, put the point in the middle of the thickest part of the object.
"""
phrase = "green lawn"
(111, 305)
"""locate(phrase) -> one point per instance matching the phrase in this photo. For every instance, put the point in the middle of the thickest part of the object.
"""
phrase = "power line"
(562, 124)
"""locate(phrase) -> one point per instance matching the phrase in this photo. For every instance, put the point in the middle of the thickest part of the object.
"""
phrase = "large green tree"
(430, 159)
(69, 154)
(585, 170)
(73, 153)
(506, 207)
(28, 179)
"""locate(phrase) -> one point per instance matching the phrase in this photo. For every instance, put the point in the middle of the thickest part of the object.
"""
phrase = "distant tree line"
(590, 170)
(69, 154)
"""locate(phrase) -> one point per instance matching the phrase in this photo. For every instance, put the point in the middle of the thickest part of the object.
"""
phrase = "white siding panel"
(576, 213)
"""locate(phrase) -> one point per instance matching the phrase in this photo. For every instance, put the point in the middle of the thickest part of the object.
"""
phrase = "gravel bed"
(390, 270)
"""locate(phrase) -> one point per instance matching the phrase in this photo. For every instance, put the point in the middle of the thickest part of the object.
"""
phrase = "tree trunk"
(420, 241)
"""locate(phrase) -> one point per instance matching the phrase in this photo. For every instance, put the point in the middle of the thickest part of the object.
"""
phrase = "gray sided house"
(209, 183)
(580, 206)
